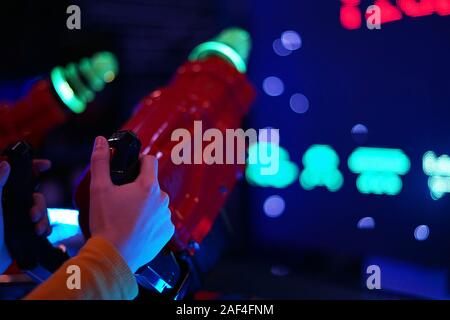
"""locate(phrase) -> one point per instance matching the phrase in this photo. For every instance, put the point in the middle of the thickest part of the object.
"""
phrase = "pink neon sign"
(351, 15)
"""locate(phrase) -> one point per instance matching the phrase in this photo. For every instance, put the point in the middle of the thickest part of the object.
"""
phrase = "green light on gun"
(232, 44)
(76, 84)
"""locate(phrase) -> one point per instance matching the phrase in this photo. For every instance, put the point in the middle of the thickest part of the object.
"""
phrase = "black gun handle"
(163, 271)
(125, 149)
(25, 246)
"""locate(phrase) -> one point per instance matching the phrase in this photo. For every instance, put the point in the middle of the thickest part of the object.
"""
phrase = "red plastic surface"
(212, 91)
(32, 117)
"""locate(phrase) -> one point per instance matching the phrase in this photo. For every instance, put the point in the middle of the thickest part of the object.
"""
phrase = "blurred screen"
(363, 115)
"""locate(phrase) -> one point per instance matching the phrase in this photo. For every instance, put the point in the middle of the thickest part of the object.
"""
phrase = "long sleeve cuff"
(97, 272)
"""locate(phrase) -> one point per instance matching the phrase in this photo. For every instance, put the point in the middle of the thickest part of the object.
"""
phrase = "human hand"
(38, 212)
(134, 217)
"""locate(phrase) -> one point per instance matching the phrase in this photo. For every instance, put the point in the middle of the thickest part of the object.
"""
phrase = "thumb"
(100, 163)
(4, 174)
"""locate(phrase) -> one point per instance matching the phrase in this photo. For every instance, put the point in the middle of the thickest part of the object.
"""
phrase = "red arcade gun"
(212, 88)
(50, 100)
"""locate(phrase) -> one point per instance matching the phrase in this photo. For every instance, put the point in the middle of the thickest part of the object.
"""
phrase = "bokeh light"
(280, 270)
(422, 232)
(299, 103)
(379, 169)
(360, 133)
(291, 40)
(366, 223)
(438, 170)
(273, 86)
(287, 171)
(274, 206)
(321, 169)
(279, 49)
(379, 160)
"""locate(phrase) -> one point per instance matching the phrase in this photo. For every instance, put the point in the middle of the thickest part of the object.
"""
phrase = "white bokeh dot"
(291, 40)
(360, 133)
(299, 103)
(274, 206)
(366, 223)
(273, 86)
(279, 48)
(422, 232)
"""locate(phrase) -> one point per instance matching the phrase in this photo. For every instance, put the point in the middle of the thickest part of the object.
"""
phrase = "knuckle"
(49, 231)
(99, 155)
(38, 197)
(145, 186)
(165, 199)
(149, 186)
(171, 230)
(168, 215)
(150, 158)
(99, 188)
(152, 161)
(35, 214)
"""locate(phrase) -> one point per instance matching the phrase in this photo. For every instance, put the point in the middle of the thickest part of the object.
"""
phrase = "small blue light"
(359, 129)
(422, 232)
(291, 40)
(63, 216)
(274, 206)
(279, 48)
(280, 270)
(359, 133)
(64, 223)
(299, 103)
(273, 86)
(61, 232)
(366, 223)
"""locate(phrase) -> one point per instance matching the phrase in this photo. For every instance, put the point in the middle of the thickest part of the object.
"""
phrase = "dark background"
(395, 81)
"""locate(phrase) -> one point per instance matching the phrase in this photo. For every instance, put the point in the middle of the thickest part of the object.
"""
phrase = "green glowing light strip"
(214, 47)
(65, 92)
(81, 90)
(439, 186)
(95, 82)
(433, 165)
(379, 183)
(379, 159)
(275, 155)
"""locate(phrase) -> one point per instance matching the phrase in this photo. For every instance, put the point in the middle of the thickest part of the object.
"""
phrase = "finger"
(170, 230)
(41, 165)
(41, 227)
(48, 227)
(100, 163)
(48, 231)
(164, 199)
(4, 173)
(149, 169)
(39, 209)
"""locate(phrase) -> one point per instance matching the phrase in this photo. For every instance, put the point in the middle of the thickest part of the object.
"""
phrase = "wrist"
(5, 259)
(118, 247)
